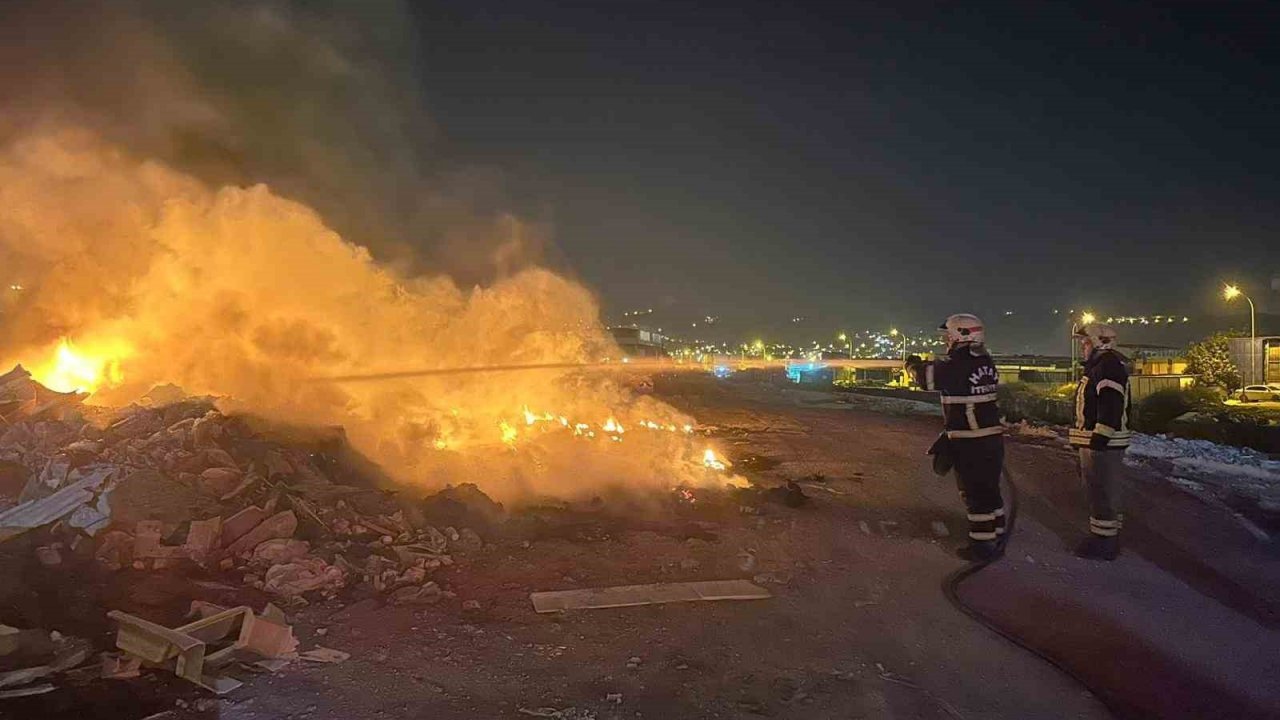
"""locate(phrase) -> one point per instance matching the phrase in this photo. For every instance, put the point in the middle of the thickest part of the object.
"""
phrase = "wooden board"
(657, 593)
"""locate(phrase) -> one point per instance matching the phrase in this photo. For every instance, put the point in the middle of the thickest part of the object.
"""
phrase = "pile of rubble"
(181, 485)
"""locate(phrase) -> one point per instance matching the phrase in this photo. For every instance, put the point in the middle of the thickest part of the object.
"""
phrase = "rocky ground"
(1184, 625)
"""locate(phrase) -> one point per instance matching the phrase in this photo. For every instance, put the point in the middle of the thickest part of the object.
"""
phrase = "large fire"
(136, 275)
(72, 368)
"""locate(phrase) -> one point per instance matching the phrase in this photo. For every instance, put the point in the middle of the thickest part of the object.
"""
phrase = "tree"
(1211, 361)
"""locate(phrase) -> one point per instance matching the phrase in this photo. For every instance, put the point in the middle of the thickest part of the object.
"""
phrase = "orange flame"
(74, 369)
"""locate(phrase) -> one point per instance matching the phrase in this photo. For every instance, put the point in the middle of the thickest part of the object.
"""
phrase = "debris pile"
(181, 486)
(158, 487)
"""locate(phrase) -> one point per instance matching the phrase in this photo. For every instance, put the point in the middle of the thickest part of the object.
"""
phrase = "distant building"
(639, 342)
(1258, 359)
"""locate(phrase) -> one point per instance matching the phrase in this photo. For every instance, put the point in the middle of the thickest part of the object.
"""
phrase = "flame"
(612, 426)
(74, 369)
(529, 418)
(710, 460)
(509, 433)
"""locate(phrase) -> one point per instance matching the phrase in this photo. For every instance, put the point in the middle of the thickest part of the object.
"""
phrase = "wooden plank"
(654, 594)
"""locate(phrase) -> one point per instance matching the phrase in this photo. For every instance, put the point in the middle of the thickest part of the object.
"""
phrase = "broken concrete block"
(270, 639)
(205, 431)
(115, 550)
(250, 480)
(218, 458)
(236, 526)
(147, 542)
(220, 481)
(281, 525)
(468, 541)
(276, 464)
(203, 539)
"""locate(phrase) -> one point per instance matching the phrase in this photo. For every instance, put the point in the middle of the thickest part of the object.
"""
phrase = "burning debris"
(183, 488)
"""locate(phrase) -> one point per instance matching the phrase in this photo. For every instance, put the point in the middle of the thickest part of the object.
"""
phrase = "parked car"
(1260, 393)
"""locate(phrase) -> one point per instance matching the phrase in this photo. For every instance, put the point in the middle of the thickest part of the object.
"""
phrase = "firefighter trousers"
(978, 463)
(1102, 473)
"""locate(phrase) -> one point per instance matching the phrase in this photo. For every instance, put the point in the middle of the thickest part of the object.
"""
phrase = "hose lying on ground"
(951, 586)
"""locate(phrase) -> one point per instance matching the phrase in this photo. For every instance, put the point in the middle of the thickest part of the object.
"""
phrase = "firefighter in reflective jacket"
(973, 439)
(1101, 434)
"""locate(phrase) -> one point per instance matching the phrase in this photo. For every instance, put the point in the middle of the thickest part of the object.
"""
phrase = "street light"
(1229, 293)
(848, 344)
(894, 332)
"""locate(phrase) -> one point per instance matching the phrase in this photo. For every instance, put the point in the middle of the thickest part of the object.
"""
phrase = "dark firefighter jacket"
(966, 379)
(1102, 403)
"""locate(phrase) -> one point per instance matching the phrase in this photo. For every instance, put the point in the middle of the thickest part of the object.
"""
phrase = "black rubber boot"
(1097, 547)
(980, 551)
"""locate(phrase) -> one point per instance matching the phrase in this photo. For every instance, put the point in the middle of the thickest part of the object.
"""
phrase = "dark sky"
(865, 165)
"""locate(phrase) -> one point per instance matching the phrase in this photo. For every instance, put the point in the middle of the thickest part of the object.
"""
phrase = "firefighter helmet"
(963, 328)
(1100, 335)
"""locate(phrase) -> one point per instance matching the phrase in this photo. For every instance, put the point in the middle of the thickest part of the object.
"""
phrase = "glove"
(1098, 442)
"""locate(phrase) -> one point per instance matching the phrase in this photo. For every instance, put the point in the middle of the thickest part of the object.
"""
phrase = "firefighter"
(1101, 434)
(972, 442)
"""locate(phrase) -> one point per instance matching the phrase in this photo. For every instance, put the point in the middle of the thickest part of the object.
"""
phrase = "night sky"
(865, 166)
(854, 165)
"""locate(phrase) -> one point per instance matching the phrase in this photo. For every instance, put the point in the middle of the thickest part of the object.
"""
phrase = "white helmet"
(1101, 335)
(963, 328)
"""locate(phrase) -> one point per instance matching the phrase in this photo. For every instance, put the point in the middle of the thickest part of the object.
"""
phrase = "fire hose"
(951, 590)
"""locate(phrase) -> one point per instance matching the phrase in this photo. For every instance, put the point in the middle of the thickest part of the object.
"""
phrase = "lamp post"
(1229, 293)
(848, 344)
(894, 332)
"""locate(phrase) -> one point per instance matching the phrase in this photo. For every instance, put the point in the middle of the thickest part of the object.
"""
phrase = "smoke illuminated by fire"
(136, 275)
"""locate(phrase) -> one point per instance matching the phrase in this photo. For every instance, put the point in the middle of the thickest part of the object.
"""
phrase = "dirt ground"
(858, 626)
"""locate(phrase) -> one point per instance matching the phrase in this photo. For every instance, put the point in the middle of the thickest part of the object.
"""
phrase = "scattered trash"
(772, 578)
(414, 595)
(120, 666)
(26, 691)
(48, 652)
(631, 595)
(566, 714)
(83, 491)
(615, 698)
(324, 655)
(186, 651)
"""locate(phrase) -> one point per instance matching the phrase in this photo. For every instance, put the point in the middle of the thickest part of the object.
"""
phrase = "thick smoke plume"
(144, 224)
